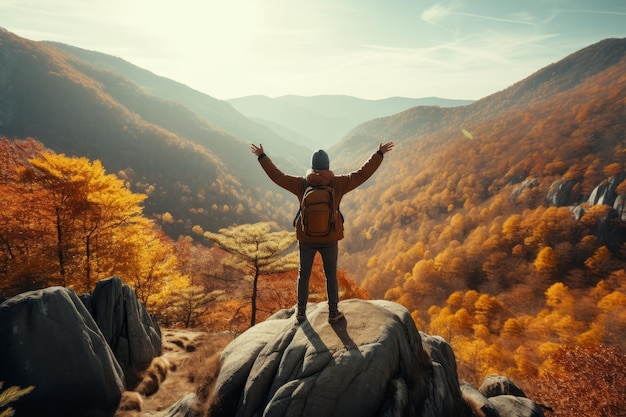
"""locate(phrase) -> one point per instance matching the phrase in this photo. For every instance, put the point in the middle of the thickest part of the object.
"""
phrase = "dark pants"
(329, 252)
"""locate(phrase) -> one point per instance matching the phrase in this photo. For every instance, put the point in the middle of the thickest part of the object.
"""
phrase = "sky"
(371, 49)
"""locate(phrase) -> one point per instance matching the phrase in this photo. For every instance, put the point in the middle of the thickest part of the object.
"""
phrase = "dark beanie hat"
(319, 160)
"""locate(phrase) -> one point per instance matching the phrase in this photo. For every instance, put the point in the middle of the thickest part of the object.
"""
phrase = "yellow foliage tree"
(79, 225)
(611, 322)
(546, 261)
(600, 262)
(150, 266)
(559, 298)
(258, 251)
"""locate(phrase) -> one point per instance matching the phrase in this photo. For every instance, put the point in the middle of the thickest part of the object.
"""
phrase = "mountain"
(159, 134)
(438, 197)
(579, 78)
(216, 112)
(324, 120)
(189, 165)
(449, 212)
(543, 86)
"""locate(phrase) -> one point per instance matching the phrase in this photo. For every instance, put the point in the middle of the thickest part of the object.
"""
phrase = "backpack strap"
(295, 219)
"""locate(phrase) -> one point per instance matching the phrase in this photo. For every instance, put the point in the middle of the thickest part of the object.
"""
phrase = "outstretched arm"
(288, 182)
(356, 178)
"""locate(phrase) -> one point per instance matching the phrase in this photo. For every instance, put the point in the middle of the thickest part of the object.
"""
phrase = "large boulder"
(512, 406)
(444, 390)
(133, 335)
(560, 193)
(498, 396)
(494, 385)
(49, 340)
(372, 363)
(605, 193)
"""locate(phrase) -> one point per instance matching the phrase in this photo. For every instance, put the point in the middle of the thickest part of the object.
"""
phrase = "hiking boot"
(335, 316)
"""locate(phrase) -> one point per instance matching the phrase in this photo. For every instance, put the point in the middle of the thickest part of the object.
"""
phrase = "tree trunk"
(88, 261)
(60, 246)
(254, 285)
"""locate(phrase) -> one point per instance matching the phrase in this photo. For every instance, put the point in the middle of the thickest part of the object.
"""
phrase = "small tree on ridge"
(258, 251)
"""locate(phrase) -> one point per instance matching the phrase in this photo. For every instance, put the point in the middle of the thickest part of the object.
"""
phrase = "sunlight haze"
(367, 49)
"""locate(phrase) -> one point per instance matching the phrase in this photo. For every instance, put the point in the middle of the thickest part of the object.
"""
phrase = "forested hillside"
(216, 112)
(191, 170)
(520, 143)
(186, 150)
(524, 208)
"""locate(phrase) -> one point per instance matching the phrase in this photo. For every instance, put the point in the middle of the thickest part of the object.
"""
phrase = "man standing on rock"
(320, 177)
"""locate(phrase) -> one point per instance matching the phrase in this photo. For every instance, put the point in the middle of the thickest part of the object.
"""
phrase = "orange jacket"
(341, 183)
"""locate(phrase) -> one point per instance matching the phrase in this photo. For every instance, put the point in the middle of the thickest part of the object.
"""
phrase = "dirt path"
(183, 351)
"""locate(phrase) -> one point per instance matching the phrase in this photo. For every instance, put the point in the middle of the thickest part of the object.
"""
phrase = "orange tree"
(579, 381)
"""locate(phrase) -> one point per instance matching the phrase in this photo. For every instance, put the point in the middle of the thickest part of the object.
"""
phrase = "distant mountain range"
(322, 121)
(307, 123)
(193, 149)
(190, 147)
(216, 112)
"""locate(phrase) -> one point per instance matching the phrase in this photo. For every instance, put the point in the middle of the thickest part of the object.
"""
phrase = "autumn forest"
(499, 225)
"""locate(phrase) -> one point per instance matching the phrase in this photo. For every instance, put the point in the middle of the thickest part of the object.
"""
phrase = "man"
(320, 175)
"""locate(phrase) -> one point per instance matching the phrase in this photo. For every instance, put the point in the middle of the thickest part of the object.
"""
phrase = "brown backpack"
(317, 211)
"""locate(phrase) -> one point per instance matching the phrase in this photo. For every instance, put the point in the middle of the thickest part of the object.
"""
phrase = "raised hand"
(386, 147)
(257, 150)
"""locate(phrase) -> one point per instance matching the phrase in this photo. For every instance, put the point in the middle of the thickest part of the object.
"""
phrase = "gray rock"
(578, 211)
(494, 385)
(371, 364)
(560, 193)
(499, 396)
(480, 405)
(445, 393)
(49, 340)
(132, 334)
(441, 352)
(525, 185)
(185, 407)
(620, 206)
(512, 406)
(605, 193)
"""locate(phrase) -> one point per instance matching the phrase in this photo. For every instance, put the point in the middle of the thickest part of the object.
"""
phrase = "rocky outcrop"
(560, 195)
(527, 184)
(49, 340)
(605, 193)
(128, 329)
(374, 363)
(494, 385)
(498, 396)
(79, 353)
